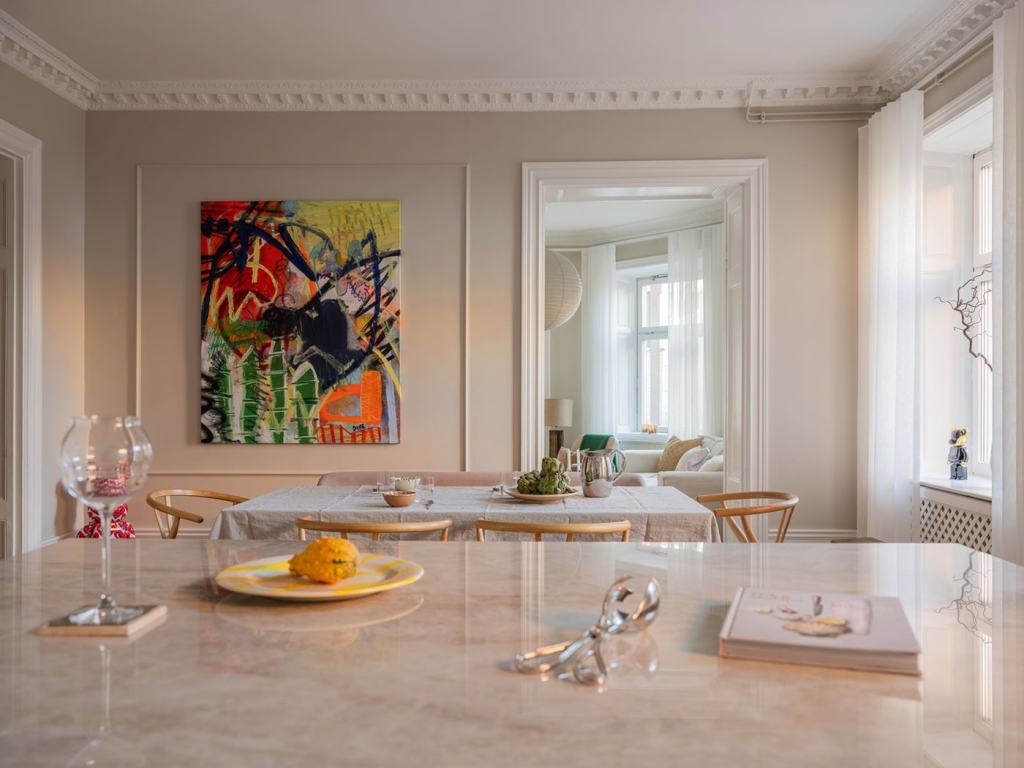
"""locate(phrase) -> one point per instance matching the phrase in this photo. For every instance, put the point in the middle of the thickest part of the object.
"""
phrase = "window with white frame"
(956, 322)
(653, 302)
(981, 375)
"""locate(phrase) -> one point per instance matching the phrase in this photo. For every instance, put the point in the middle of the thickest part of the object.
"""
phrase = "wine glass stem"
(106, 518)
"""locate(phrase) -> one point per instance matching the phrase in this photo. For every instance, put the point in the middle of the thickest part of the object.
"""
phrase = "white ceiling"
(586, 223)
(967, 134)
(636, 41)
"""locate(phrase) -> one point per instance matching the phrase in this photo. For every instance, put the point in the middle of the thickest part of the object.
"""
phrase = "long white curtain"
(1008, 287)
(713, 248)
(695, 335)
(889, 246)
(599, 311)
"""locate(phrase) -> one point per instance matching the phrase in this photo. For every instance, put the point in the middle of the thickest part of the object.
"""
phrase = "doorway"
(7, 185)
(737, 191)
(21, 429)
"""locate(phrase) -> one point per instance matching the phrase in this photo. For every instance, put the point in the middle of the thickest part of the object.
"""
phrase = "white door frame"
(27, 153)
(543, 179)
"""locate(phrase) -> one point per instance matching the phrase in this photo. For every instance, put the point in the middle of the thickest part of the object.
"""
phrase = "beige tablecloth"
(656, 513)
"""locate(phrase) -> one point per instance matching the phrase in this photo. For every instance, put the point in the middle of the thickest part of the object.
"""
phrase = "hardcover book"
(829, 630)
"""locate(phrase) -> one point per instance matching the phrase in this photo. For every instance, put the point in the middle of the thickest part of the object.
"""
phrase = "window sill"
(641, 437)
(975, 487)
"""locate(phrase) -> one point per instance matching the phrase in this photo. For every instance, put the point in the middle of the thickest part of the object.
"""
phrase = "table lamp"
(557, 414)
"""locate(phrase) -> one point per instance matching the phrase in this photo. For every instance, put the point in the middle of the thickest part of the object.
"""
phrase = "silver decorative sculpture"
(583, 657)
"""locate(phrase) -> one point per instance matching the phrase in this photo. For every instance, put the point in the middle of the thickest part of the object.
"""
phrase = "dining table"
(422, 675)
(655, 513)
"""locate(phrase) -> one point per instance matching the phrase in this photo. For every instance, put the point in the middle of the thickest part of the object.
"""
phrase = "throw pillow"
(714, 464)
(715, 445)
(673, 451)
(692, 460)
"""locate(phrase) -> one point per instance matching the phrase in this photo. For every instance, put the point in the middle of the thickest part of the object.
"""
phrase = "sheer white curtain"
(890, 236)
(599, 311)
(713, 249)
(1008, 288)
(695, 333)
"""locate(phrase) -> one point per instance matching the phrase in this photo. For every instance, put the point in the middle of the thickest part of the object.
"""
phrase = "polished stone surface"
(420, 676)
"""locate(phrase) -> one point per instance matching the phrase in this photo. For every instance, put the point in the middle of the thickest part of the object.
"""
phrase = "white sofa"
(693, 484)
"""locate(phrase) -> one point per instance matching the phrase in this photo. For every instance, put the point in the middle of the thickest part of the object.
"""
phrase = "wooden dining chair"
(539, 529)
(776, 501)
(168, 517)
(344, 528)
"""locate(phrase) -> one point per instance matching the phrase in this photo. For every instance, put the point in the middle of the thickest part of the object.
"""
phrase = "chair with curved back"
(168, 517)
(539, 529)
(375, 530)
(777, 501)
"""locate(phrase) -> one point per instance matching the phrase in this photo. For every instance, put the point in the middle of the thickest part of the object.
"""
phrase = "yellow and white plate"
(270, 577)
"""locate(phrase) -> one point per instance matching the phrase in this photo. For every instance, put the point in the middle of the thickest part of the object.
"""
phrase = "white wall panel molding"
(142, 405)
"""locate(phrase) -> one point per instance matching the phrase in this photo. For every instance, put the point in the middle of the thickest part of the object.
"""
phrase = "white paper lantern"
(563, 290)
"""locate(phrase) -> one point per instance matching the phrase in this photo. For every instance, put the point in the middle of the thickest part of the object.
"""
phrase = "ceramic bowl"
(399, 498)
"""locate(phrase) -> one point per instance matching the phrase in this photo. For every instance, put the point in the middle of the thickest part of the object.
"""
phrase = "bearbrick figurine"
(957, 459)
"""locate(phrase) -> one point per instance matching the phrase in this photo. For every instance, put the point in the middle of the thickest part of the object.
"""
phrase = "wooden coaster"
(151, 616)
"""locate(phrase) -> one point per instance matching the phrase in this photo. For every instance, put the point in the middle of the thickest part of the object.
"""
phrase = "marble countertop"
(420, 676)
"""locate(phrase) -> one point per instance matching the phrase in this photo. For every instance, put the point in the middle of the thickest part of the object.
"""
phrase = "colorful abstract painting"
(300, 321)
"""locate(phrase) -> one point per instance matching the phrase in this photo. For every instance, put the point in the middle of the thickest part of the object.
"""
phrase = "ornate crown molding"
(34, 57)
(960, 24)
(479, 95)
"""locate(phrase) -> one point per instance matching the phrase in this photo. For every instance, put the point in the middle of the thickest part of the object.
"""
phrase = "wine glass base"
(95, 615)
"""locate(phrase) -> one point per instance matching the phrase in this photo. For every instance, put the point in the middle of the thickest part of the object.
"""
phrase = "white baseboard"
(58, 537)
(808, 535)
(183, 533)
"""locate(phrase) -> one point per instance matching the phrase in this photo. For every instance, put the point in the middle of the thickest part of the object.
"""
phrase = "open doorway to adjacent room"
(643, 296)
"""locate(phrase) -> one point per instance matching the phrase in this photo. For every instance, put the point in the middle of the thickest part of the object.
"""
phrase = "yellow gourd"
(326, 560)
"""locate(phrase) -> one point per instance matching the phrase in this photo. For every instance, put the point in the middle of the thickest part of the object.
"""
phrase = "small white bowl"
(406, 484)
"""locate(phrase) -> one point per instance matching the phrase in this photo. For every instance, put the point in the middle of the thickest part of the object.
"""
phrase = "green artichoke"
(551, 479)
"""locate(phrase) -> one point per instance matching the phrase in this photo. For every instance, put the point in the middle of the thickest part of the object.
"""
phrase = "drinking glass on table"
(508, 480)
(382, 479)
(426, 487)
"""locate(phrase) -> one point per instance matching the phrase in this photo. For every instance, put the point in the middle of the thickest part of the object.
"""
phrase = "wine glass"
(103, 461)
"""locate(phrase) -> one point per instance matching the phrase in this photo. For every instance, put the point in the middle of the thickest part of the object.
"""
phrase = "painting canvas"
(300, 321)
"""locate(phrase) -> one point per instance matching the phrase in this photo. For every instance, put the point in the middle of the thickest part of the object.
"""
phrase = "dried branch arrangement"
(971, 297)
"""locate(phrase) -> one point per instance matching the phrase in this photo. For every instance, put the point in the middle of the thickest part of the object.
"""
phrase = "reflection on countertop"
(420, 676)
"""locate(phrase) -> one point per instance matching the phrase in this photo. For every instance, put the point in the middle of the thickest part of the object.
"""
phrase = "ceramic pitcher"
(598, 473)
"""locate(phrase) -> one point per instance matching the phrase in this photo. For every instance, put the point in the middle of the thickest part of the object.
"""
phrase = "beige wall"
(61, 128)
(811, 350)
